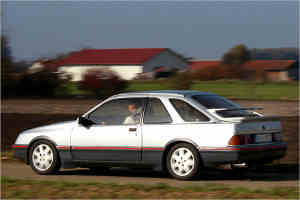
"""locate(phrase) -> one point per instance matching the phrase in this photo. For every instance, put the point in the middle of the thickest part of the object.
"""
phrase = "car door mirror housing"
(85, 122)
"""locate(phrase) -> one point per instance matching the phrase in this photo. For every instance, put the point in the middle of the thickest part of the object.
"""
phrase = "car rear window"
(214, 102)
(187, 112)
(217, 102)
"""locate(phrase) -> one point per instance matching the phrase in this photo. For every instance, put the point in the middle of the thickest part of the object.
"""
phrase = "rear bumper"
(257, 153)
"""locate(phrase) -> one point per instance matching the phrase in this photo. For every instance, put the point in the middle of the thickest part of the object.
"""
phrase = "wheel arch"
(172, 143)
(34, 140)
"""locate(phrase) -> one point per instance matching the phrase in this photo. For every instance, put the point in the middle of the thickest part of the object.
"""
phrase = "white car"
(177, 131)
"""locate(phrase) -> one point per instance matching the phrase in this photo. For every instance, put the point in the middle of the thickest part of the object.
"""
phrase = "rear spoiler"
(250, 119)
(262, 119)
(233, 109)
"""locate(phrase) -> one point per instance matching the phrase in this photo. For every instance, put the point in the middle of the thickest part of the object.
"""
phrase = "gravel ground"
(251, 180)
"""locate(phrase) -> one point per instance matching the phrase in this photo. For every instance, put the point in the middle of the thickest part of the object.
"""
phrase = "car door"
(116, 134)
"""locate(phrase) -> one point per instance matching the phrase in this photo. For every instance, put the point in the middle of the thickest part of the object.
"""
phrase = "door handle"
(132, 129)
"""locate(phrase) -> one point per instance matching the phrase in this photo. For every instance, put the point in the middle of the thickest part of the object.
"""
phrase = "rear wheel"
(183, 161)
(43, 158)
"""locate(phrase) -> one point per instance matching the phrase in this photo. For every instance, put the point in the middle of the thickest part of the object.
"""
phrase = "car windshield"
(217, 102)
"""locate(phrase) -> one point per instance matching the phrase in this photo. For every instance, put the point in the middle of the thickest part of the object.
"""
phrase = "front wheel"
(43, 158)
(183, 161)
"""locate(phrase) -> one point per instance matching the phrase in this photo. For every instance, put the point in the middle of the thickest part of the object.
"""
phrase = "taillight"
(240, 140)
(247, 139)
(235, 140)
(277, 137)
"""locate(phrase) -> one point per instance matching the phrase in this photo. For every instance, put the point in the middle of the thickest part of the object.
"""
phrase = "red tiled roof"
(111, 56)
(251, 65)
(268, 64)
(197, 65)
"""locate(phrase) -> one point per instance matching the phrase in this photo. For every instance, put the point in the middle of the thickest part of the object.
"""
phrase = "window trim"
(144, 99)
(155, 123)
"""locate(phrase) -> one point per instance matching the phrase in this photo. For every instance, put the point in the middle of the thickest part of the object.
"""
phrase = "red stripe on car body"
(63, 147)
(117, 148)
(105, 148)
(19, 146)
(153, 148)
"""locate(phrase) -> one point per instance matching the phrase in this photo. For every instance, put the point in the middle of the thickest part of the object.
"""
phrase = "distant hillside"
(275, 54)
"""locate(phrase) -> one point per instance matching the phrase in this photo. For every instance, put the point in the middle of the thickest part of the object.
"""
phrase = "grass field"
(32, 189)
(232, 89)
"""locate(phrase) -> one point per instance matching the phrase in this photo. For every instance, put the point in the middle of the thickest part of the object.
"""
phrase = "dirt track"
(252, 180)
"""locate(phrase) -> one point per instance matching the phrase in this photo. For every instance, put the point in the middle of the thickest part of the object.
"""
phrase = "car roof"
(180, 93)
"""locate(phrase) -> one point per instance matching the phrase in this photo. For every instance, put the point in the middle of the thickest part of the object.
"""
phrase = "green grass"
(15, 188)
(70, 89)
(231, 89)
(250, 90)
(227, 88)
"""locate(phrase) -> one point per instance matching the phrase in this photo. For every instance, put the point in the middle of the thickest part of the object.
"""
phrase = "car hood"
(52, 127)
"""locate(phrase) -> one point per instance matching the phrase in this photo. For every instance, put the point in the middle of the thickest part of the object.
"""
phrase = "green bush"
(41, 84)
(181, 81)
(102, 83)
(9, 85)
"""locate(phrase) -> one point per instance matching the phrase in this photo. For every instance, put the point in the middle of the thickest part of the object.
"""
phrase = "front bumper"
(255, 153)
(20, 152)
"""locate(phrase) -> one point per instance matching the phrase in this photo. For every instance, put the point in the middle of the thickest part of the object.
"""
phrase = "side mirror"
(85, 122)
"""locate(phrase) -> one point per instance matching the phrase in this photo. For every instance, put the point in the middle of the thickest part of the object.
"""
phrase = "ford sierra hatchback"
(178, 131)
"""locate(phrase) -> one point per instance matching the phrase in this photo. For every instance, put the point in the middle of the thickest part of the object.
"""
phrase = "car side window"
(187, 112)
(119, 112)
(156, 112)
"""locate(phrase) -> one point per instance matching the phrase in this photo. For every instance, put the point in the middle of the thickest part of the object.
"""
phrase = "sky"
(198, 29)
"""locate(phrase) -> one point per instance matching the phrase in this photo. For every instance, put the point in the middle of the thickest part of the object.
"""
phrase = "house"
(202, 64)
(39, 65)
(127, 63)
(274, 70)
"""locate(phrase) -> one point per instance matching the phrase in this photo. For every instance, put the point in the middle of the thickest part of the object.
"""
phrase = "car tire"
(183, 161)
(43, 158)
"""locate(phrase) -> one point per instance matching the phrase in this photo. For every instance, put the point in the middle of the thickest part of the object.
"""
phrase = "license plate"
(263, 138)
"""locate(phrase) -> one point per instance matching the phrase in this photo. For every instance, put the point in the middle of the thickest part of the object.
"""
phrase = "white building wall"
(127, 72)
(284, 76)
(36, 67)
(123, 71)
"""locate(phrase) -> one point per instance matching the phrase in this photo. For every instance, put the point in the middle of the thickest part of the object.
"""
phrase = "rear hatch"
(258, 130)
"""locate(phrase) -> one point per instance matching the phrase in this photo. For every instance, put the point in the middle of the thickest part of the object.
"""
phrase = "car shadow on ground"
(206, 174)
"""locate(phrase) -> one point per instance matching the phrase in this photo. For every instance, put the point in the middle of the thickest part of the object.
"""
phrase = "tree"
(6, 58)
(181, 81)
(8, 81)
(275, 54)
(43, 84)
(235, 58)
(102, 83)
(237, 55)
